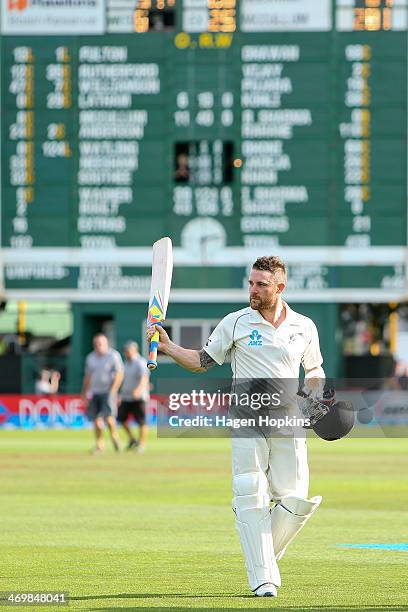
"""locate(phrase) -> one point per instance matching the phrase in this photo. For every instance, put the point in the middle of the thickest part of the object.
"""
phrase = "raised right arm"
(189, 359)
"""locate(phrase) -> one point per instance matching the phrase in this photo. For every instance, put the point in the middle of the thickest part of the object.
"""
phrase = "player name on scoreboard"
(238, 129)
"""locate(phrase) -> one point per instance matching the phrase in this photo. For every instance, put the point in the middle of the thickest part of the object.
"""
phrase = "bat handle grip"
(154, 343)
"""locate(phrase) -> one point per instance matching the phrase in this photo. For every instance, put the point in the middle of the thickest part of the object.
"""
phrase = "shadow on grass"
(274, 607)
(159, 596)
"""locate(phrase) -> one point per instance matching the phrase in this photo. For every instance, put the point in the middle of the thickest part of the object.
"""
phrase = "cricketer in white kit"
(266, 340)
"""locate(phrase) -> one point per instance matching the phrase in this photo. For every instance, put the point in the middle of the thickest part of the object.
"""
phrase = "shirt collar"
(256, 317)
(290, 314)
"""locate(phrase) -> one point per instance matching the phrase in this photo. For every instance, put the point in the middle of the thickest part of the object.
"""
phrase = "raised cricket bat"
(162, 270)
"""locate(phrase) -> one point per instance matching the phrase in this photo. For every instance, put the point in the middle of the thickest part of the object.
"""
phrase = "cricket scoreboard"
(238, 128)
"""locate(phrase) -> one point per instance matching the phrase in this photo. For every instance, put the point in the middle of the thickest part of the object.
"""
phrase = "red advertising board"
(36, 411)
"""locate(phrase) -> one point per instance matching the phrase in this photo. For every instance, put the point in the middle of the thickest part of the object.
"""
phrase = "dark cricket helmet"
(337, 423)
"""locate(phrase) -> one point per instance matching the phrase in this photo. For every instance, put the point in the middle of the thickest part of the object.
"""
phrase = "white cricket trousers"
(282, 460)
(264, 469)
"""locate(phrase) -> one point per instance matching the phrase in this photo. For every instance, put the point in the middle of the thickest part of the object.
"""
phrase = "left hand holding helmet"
(330, 419)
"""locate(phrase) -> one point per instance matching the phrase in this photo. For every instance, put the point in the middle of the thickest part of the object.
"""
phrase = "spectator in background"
(134, 395)
(400, 379)
(103, 377)
(182, 173)
(47, 382)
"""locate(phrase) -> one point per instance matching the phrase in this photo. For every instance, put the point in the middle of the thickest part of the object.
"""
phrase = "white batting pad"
(253, 522)
(288, 517)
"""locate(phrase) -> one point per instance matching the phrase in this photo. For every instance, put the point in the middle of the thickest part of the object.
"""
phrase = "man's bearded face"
(263, 290)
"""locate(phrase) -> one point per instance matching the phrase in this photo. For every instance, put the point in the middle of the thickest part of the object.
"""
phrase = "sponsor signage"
(41, 411)
(52, 17)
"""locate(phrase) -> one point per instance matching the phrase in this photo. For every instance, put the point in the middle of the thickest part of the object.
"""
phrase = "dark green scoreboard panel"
(238, 129)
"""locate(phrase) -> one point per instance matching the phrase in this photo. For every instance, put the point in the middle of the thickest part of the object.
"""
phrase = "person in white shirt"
(47, 382)
(265, 340)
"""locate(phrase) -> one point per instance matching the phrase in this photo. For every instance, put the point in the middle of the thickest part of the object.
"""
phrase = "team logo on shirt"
(255, 339)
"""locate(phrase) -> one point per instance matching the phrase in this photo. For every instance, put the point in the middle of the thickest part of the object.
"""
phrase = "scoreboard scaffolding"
(238, 128)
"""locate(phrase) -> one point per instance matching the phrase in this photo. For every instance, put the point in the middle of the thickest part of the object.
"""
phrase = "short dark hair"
(131, 344)
(271, 264)
(100, 335)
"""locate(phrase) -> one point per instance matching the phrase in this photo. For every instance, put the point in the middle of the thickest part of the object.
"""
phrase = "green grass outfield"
(137, 532)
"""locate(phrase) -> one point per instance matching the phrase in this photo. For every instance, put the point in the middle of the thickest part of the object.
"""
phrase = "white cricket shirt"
(259, 350)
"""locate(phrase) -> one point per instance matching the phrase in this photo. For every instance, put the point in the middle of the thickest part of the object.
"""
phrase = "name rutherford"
(224, 421)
